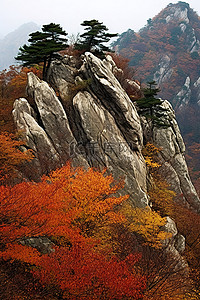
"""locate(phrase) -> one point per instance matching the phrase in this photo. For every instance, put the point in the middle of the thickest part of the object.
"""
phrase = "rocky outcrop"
(107, 147)
(107, 88)
(186, 95)
(51, 114)
(91, 122)
(182, 99)
(197, 89)
(180, 13)
(46, 130)
(36, 139)
(172, 155)
(176, 240)
(94, 123)
(172, 158)
(99, 127)
(164, 71)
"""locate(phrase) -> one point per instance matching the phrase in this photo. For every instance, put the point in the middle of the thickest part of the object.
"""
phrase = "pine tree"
(43, 47)
(150, 106)
(94, 37)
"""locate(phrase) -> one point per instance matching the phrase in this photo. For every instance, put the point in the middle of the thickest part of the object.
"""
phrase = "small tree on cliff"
(94, 37)
(43, 47)
(150, 106)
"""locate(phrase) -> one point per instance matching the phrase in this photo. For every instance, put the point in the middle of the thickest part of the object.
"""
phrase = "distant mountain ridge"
(167, 50)
(10, 44)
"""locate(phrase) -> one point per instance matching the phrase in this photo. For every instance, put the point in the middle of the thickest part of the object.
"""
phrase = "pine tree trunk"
(48, 65)
(44, 69)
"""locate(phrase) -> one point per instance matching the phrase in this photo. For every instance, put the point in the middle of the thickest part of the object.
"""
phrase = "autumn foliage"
(12, 86)
(167, 203)
(67, 207)
(72, 237)
(11, 156)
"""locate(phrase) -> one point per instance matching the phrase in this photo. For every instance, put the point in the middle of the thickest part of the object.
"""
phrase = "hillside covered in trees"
(167, 50)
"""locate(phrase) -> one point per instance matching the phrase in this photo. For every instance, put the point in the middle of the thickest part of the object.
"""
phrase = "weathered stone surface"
(36, 139)
(177, 13)
(173, 164)
(62, 73)
(182, 99)
(112, 96)
(197, 89)
(164, 71)
(182, 15)
(47, 132)
(180, 243)
(52, 116)
(174, 246)
(107, 147)
(97, 133)
(176, 240)
(42, 244)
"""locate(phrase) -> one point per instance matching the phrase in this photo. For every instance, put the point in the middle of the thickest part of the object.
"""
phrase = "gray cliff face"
(197, 89)
(114, 99)
(172, 158)
(36, 138)
(164, 71)
(93, 123)
(182, 99)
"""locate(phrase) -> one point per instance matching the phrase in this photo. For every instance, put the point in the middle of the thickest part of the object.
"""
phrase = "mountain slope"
(10, 44)
(167, 50)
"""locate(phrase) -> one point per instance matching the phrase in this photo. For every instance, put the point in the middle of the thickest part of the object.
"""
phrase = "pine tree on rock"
(94, 37)
(43, 47)
(151, 107)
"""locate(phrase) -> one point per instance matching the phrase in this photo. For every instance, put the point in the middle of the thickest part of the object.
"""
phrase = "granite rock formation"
(91, 121)
(83, 115)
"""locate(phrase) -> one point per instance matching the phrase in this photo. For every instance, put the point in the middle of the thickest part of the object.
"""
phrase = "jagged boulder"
(36, 139)
(176, 241)
(45, 130)
(51, 115)
(106, 146)
(107, 88)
